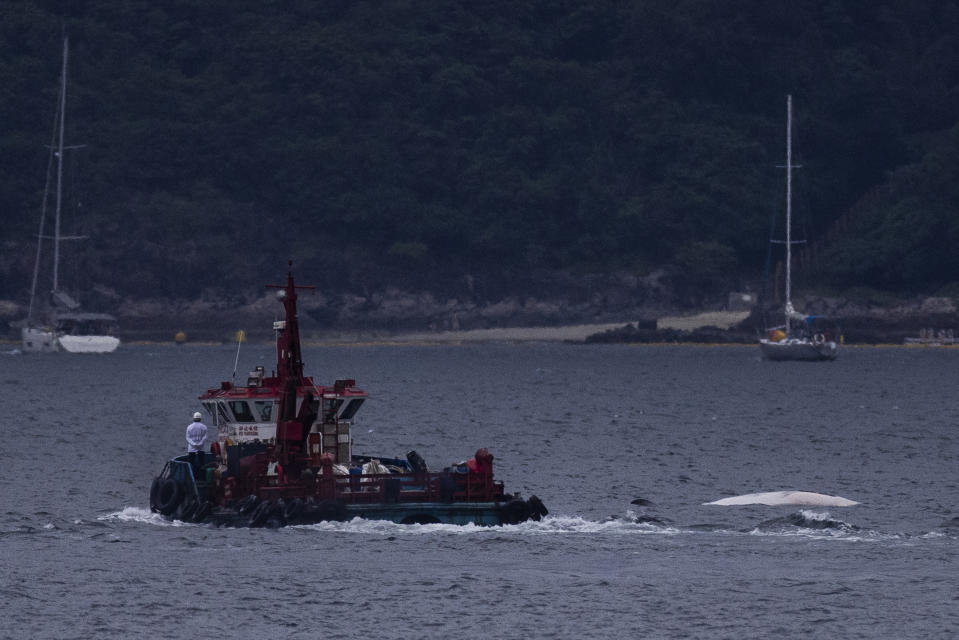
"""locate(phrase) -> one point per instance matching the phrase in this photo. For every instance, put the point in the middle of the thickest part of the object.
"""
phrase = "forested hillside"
(432, 143)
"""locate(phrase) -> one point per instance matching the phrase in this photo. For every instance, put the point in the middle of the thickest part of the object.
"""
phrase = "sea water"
(589, 429)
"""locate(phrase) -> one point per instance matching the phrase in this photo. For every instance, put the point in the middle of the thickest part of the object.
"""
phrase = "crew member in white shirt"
(195, 437)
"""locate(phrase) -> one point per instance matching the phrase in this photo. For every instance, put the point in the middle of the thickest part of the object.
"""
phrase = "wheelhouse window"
(241, 410)
(330, 407)
(264, 410)
(211, 409)
(351, 409)
(223, 413)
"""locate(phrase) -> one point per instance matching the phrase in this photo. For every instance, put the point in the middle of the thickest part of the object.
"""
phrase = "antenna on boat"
(236, 360)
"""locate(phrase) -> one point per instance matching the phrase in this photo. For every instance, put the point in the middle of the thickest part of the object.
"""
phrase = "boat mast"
(289, 367)
(63, 109)
(43, 219)
(789, 186)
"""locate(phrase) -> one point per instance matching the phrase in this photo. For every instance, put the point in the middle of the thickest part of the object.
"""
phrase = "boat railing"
(456, 484)
(444, 486)
(182, 471)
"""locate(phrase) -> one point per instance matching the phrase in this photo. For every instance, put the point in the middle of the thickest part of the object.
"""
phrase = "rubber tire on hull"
(514, 512)
(261, 513)
(184, 513)
(276, 517)
(537, 509)
(154, 492)
(293, 510)
(247, 505)
(168, 496)
(202, 511)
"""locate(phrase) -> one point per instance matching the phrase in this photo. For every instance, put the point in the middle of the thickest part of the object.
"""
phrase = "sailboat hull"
(799, 349)
(89, 344)
(38, 340)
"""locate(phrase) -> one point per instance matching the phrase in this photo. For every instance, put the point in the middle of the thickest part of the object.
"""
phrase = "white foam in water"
(550, 525)
(384, 527)
(843, 531)
(138, 514)
(812, 531)
(821, 516)
(777, 498)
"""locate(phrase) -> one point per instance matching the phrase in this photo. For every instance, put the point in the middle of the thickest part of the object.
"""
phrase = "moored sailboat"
(65, 326)
(801, 337)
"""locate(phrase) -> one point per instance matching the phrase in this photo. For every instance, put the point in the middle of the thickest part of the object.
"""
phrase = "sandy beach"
(575, 333)
(566, 333)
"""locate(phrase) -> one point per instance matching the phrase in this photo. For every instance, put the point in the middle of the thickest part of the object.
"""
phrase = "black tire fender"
(261, 513)
(293, 509)
(247, 505)
(202, 511)
(168, 496)
(154, 493)
(186, 510)
(515, 512)
(536, 508)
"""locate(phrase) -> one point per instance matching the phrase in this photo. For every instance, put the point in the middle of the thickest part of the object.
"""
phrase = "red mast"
(289, 366)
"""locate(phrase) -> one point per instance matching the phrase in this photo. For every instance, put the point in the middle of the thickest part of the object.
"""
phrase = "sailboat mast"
(789, 187)
(43, 221)
(63, 109)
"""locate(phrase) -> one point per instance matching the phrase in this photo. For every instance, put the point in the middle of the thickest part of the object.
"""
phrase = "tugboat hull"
(273, 515)
(179, 494)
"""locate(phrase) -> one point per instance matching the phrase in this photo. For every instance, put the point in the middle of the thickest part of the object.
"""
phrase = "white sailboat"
(800, 338)
(66, 327)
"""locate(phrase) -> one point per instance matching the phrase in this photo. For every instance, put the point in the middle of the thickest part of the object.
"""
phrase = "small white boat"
(802, 337)
(89, 344)
(86, 332)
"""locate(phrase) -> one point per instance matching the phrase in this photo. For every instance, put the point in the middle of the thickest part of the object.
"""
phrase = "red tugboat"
(284, 456)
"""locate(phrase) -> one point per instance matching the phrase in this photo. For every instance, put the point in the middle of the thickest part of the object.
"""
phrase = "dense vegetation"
(439, 141)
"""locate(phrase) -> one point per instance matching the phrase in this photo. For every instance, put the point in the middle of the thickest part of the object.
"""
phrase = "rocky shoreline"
(869, 326)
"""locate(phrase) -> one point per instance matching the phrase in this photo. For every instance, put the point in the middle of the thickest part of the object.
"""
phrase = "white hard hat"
(197, 416)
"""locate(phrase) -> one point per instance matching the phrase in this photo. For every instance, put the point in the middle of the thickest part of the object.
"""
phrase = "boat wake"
(550, 525)
(807, 523)
(139, 514)
(801, 524)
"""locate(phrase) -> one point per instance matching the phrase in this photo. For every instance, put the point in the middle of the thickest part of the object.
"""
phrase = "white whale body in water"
(775, 498)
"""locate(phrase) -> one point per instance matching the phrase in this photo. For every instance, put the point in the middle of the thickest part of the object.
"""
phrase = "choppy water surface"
(587, 428)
